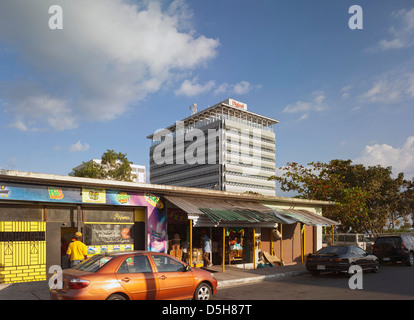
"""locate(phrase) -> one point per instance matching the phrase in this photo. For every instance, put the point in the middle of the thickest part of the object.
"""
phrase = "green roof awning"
(240, 215)
(229, 212)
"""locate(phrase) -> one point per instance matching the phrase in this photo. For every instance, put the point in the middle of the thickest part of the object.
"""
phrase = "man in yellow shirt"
(77, 250)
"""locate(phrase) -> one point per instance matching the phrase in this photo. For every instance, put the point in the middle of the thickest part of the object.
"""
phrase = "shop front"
(40, 213)
(234, 228)
(38, 221)
(244, 232)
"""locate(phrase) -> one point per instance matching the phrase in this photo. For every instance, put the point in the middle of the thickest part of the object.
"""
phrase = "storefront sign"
(14, 191)
(93, 195)
(110, 216)
(108, 234)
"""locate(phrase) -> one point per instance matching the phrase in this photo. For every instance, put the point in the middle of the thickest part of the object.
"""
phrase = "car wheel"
(410, 260)
(376, 267)
(116, 296)
(203, 292)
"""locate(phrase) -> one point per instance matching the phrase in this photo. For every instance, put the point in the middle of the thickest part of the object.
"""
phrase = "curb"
(270, 277)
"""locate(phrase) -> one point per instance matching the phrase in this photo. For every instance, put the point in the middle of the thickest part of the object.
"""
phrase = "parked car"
(340, 259)
(135, 275)
(395, 248)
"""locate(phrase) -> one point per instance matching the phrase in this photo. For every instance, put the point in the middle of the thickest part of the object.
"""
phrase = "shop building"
(223, 147)
(39, 213)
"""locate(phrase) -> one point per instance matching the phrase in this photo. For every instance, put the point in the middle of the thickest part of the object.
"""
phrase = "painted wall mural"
(155, 217)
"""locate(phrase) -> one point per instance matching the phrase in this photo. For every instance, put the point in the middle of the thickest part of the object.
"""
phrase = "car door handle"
(162, 277)
(126, 279)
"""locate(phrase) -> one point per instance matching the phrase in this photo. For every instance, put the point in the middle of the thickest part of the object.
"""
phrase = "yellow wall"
(22, 261)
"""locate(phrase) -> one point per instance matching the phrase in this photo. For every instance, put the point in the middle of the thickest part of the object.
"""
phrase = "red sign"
(236, 104)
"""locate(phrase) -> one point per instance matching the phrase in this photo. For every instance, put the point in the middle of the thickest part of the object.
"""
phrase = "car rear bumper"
(328, 267)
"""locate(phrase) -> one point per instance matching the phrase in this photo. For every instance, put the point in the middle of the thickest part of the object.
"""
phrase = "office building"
(224, 147)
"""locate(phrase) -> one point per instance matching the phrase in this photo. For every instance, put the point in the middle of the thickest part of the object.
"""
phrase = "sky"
(104, 74)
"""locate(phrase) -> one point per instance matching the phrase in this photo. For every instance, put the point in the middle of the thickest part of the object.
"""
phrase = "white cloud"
(192, 88)
(109, 55)
(345, 92)
(402, 34)
(391, 88)
(400, 159)
(19, 125)
(242, 87)
(316, 103)
(79, 147)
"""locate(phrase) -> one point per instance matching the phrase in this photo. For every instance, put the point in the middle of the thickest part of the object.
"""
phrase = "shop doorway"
(178, 234)
(66, 236)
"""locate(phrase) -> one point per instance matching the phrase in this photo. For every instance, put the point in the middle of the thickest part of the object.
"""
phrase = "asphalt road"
(393, 282)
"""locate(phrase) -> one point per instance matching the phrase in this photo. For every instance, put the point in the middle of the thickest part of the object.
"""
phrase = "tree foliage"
(113, 166)
(367, 199)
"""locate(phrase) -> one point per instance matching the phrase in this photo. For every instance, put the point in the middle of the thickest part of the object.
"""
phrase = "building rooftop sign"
(236, 104)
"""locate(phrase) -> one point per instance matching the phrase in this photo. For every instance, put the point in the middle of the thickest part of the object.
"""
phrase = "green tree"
(368, 199)
(113, 166)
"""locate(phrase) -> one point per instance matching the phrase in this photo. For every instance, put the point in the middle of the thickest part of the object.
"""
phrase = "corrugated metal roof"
(244, 215)
(231, 211)
(307, 217)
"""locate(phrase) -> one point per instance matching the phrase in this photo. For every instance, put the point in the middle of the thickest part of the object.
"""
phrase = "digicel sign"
(236, 104)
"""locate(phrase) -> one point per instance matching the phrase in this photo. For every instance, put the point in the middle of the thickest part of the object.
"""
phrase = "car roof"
(390, 236)
(120, 253)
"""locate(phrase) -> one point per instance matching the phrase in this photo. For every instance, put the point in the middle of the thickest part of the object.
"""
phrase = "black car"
(395, 248)
(340, 259)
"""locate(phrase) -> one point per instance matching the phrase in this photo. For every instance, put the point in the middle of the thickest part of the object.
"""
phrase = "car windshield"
(93, 264)
(333, 250)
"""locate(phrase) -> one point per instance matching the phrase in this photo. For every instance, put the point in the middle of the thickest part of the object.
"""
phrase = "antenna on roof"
(193, 108)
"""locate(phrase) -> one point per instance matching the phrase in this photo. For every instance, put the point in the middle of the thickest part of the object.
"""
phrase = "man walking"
(76, 250)
(206, 249)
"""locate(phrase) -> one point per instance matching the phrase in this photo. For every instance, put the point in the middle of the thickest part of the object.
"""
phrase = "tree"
(113, 166)
(367, 199)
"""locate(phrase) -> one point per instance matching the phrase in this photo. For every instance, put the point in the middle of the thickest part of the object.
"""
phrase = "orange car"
(135, 275)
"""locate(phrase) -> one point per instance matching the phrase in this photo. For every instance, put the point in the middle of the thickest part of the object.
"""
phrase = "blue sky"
(120, 70)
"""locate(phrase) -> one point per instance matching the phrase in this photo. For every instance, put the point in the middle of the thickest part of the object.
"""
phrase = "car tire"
(410, 259)
(376, 267)
(203, 292)
(116, 296)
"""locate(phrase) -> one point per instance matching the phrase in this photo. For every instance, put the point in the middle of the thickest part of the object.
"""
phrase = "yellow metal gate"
(22, 251)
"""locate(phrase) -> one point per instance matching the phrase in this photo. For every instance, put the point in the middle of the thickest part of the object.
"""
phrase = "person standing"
(206, 249)
(77, 251)
(184, 246)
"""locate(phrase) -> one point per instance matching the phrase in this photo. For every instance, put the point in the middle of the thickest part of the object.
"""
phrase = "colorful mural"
(15, 191)
(156, 212)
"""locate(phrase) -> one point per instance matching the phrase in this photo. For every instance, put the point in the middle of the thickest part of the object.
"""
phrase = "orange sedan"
(136, 275)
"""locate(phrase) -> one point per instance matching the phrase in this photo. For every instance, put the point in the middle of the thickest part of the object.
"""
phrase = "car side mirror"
(186, 268)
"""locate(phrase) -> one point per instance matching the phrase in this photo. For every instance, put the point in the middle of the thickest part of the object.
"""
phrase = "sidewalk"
(232, 276)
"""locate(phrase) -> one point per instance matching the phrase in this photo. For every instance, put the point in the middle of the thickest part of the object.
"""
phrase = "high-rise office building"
(224, 147)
